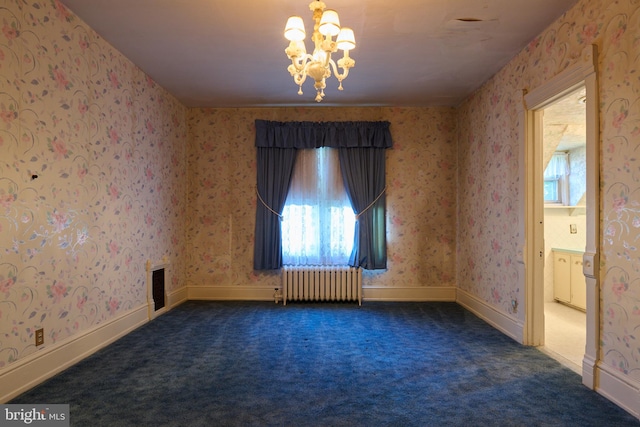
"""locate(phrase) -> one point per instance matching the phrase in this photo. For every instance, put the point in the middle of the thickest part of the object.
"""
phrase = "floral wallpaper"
(489, 238)
(421, 194)
(101, 170)
(92, 178)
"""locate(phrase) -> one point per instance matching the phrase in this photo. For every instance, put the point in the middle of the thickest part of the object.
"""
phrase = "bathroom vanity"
(569, 284)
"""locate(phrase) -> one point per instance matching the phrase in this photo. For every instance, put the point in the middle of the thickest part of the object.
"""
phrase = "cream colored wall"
(421, 199)
(92, 182)
(491, 216)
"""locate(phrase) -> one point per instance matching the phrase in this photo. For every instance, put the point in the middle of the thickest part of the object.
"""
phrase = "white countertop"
(568, 250)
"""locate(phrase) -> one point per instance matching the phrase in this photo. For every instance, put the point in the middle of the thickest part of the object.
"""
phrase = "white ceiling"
(230, 53)
(565, 122)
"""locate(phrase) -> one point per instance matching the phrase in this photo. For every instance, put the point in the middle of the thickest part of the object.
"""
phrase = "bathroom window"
(556, 188)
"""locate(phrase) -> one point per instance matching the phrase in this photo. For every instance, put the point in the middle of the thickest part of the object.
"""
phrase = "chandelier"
(319, 65)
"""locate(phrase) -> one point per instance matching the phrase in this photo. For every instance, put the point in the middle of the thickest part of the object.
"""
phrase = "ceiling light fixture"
(319, 64)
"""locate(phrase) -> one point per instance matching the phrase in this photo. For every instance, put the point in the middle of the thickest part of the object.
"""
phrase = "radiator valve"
(277, 295)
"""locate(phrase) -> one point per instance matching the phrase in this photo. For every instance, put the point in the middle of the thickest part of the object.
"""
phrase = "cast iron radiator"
(321, 283)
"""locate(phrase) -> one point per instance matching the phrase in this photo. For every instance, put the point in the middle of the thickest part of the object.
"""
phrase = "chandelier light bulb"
(299, 44)
(319, 65)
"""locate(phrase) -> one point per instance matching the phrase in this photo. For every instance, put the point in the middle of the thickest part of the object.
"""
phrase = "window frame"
(561, 184)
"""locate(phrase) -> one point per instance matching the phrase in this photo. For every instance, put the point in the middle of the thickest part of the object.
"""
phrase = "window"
(361, 148)
(555, 179)
(318, 220)
(552, 191)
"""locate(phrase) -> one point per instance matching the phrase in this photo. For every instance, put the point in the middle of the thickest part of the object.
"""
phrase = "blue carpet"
(382, 364)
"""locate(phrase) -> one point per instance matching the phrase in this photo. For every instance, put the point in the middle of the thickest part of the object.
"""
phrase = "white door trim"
(582, 73)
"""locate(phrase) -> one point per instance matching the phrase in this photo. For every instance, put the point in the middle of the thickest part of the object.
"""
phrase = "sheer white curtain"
(558, 166)
(318, 221)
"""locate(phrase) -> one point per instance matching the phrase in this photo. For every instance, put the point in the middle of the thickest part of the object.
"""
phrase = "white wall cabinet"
(569, 283)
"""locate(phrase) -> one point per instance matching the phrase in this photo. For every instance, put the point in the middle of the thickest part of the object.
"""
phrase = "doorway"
(564, 223)
(574, 78)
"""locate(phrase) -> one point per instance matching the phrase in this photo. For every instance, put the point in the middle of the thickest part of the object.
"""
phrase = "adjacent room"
(565, 228)
(144, 184)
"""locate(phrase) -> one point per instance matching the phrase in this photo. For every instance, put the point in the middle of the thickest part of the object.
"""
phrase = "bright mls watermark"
(34, 415)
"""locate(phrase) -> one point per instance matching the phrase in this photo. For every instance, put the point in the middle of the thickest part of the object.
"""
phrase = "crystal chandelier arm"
(346, 62)
(339, 76)
(329, 47)
(296, 52)
(299, 69)
(299, 78)
(300, 64)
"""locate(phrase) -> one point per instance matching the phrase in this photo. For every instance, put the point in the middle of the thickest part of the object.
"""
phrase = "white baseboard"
(177, 297)
(230, 293)
(223, 293)
(417, 294)
(47, 362)
(507, 325)
(589, 371)
(621, 390)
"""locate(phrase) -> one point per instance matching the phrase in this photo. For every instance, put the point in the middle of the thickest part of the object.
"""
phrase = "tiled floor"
(565, 334)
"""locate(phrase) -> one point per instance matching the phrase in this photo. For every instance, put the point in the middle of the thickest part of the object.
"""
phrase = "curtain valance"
(271, 134)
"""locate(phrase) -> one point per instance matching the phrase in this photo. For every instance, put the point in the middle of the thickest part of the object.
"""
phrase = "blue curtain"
(363, 173)
(275, 168)
(271, 134)
(363, 169)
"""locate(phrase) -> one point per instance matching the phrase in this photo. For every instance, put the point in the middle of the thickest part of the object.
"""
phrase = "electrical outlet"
(573, 229)
(39, 337)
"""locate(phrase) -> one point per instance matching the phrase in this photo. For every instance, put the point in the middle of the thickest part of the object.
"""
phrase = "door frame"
(582, 73)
